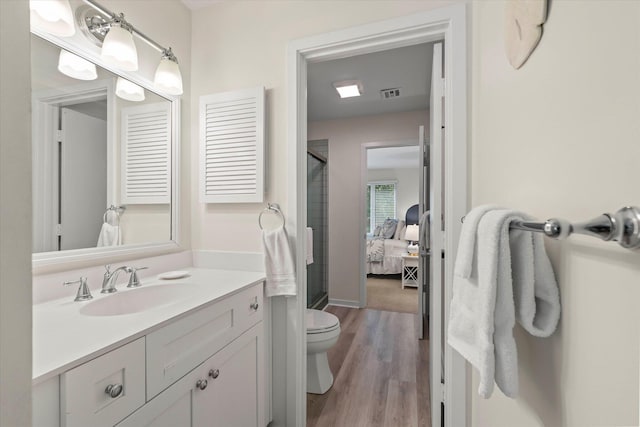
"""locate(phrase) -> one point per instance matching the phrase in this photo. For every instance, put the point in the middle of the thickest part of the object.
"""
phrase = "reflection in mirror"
(101, 156)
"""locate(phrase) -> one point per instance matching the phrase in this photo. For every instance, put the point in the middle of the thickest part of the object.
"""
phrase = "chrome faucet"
(109, 278)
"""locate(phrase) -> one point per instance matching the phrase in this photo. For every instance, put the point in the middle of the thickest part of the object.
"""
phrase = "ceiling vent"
(390, 93)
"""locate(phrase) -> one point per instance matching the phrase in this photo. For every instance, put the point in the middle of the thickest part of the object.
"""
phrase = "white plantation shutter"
(232, 147)
(381, 197)
(146, 154)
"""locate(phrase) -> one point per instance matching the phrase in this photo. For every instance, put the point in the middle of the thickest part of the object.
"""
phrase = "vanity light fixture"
(74, 66)
(115, 35)
(128, 90)
(118, 47)
(52, 16)
(168, 77)
(349, 88)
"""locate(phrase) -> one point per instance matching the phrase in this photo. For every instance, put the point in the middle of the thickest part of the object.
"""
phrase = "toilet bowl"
(323, 330)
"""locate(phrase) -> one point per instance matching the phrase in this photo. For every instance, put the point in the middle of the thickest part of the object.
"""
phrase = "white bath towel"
(535, 289)
(483, 310)
(278, 260)
(467, 244)
(309, 245)
(110, 235)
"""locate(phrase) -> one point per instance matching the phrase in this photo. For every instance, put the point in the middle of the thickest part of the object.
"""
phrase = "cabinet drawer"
(84, 400)
(175, 349)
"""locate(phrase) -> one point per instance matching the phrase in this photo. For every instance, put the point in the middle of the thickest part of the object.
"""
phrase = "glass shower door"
(317, 220)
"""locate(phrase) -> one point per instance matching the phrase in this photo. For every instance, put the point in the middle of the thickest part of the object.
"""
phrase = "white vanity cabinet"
(225, 391)
(204, 368)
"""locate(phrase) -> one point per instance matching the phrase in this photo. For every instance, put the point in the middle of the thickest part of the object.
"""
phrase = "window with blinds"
(232, 126)
(381, 203)
(146, 154)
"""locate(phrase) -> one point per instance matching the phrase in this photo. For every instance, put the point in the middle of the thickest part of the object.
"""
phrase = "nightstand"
(409, 271)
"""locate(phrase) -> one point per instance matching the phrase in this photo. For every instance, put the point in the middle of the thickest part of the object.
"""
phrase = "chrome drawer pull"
(214, 373)
(202, 384)
(114, 390)
(254, 306)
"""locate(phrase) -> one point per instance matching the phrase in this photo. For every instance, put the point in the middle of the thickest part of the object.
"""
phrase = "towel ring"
(271, 207)
(116, 210)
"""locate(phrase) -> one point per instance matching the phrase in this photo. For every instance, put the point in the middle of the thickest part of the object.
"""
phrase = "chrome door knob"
(214, 373)
(114, 390)
(202, 384)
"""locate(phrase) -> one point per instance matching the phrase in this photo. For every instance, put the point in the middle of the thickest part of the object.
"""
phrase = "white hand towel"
(309, 245)
(482, 311)
(493, 264)
(110, 235)
(535, 288)
(279, 266)
(467, 246)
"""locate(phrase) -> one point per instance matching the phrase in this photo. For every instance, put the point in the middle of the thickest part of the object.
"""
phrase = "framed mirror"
(105, 151)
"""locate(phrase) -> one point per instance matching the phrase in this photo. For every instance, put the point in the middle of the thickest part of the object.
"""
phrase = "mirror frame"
(49, 261)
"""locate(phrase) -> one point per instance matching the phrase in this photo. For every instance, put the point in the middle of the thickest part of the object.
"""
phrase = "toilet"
(323, 330)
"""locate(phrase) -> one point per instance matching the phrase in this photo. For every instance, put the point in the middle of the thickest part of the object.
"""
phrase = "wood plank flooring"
(380, 373)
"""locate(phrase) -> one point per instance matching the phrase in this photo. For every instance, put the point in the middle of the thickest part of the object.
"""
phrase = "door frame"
(364, 150)
(448, 23)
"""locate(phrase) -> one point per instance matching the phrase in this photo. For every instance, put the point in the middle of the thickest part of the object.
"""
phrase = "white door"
(435, 277)
(83, 179)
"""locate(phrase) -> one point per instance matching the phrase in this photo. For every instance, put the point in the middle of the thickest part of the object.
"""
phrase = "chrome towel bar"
(622, 227)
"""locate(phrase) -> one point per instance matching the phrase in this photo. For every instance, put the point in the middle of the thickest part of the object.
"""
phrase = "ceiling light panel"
(348, 89)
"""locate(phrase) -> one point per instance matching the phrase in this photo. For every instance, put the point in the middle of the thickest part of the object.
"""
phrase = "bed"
(384, 250)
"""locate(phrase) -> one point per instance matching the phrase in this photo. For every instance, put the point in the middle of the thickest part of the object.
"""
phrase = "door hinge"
(444, 86)
(58, 229)
(58, 136)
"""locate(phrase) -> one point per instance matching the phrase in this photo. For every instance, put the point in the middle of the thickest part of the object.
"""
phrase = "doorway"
(448, 23)
(391, 188)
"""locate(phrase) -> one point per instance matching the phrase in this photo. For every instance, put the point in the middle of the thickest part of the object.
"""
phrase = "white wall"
(242, 44)
(346, 137)
(15, 215)
(407, 186)
(561, 137)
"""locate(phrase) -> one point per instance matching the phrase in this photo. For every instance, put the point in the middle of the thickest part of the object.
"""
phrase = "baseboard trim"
(344, 303)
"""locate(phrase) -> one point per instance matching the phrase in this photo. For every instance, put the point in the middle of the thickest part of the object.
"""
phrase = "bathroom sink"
(138, 300)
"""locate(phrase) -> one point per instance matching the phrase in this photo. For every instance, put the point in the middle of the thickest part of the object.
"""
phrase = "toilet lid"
(320, 321)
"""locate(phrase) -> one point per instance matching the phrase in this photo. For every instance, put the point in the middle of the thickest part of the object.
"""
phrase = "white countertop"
(63, 337)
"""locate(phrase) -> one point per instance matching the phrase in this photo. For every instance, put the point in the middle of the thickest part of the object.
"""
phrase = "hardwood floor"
(380, 373)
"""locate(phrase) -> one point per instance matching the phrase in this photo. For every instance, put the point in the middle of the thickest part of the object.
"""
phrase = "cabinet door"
(170, 408)
(234, 397)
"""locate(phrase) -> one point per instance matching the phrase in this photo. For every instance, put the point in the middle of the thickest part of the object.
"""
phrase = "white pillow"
(399, 229)
(402, 232)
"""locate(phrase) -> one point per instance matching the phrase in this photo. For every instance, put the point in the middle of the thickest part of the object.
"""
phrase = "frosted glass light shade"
(413, 233)
(119, 49)
(76, 67)
(129, 91)
(52, 16)
(168, 78)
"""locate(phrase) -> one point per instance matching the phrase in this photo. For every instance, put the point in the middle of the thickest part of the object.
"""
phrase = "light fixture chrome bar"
(103, 10)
